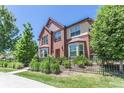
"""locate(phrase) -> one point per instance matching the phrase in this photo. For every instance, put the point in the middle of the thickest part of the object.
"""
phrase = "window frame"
(45, 40)
(75, 31)
(57, 38)
(77, 49)
(42, 53)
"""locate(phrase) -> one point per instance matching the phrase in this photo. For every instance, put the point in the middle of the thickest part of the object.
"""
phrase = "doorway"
(57, 53)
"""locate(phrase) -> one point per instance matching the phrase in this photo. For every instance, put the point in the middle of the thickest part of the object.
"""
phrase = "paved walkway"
(9, 80)
(20, 70)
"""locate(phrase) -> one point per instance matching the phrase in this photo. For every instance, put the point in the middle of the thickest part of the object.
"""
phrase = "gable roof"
(48, 21)
(55, 22)
(48, 30)
(83, 20)
(62, 26)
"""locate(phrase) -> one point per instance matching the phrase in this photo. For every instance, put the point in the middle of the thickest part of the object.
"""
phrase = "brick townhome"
(58, 40)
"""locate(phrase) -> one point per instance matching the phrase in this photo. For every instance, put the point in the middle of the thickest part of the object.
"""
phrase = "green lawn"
(83, 80)
(6, 69)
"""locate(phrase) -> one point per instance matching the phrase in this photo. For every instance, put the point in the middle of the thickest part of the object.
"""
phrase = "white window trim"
(85, 33)
(77, 49)
(74, 31)
(42, 55)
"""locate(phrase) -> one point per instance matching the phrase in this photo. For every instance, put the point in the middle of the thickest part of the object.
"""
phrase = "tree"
(107, 35)
(26, 47)
(8, 30)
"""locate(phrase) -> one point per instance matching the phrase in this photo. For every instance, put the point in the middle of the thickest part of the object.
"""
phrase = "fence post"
(103, 68)
(121, 67)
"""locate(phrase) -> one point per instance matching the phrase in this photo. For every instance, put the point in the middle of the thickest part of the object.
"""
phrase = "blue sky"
(38, 15)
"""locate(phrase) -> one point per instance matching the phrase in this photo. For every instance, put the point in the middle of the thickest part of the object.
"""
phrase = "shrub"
(18, 65)
(80, 61)
(52, 59)
(89, 63)
(1, 64)
(11, 65)
(45, 66)
(67, 64)
(4, 64)
(61, 60)
(34, 65)
(15, 65)
(55, 68)
(41, 66)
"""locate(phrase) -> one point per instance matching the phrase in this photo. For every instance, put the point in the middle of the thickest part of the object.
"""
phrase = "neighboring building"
(58, 40)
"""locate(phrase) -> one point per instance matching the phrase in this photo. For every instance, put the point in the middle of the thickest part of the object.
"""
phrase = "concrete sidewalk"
(20, 70)
(8, 80)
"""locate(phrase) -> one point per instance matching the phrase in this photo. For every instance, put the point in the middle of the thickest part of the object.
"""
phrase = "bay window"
(75, 49)
(44, 52)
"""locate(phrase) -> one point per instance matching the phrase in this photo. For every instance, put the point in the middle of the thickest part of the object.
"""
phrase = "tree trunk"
(121, 67)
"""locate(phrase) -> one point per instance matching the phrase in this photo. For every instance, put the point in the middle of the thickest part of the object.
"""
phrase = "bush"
(11, 65)
(34, 65)
(15, 65)
(89, 63)
(41, 66)
(18, 65)
(1, 64)
(4, 64)
(80, 61)
(45, 66)
(67, 64)
(61, 60)
(55, 68)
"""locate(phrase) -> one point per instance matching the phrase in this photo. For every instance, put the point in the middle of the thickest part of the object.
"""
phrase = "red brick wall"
(63, 44)
(49, 40)
(59, 45)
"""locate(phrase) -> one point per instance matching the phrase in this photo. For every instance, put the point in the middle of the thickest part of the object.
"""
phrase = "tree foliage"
(26, 47)
(107, 35)
(8, 30)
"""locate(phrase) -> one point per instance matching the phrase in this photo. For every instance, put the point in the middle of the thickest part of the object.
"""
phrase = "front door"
(57, 53)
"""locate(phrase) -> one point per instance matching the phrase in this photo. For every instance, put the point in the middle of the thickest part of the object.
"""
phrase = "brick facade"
(60, 48)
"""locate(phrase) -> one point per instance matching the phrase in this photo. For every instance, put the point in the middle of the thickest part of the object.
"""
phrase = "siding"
(84, 26)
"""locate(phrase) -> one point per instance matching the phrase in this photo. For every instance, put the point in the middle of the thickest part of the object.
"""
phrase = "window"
(45, 40)
(75, 31)
(57, 36)
(44, 52)
(80, 49)
(75, 49)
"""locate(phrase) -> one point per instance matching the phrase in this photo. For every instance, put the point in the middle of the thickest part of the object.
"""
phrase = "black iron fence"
(108, 69)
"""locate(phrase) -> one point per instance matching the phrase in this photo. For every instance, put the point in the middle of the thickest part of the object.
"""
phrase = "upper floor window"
(75, 31)
(57, 36)
(45, 40)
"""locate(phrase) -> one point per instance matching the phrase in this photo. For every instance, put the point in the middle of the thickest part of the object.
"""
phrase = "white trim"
(85, 33)
(77, 49)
